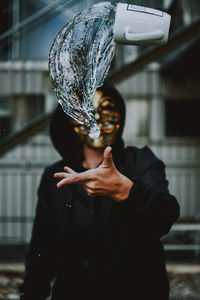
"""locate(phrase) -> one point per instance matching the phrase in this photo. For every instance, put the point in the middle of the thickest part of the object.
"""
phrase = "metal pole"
(56, 5)
(15, 36)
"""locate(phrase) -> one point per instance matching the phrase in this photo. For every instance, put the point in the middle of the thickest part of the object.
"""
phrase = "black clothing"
(125, 243)
(94, 247)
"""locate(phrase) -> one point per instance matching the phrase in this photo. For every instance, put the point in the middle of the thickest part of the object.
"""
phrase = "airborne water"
(79, 60)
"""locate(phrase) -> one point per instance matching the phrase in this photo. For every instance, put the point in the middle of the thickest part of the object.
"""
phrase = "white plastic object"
(139, 25)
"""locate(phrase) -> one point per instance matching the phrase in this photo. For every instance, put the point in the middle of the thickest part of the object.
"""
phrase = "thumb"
(107, 157)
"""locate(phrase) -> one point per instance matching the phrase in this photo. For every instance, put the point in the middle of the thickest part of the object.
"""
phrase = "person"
(100, 214)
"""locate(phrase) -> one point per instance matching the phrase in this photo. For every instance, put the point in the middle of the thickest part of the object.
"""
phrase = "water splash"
(79, 60)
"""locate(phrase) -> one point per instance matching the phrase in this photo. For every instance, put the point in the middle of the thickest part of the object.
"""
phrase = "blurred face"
(108, 119)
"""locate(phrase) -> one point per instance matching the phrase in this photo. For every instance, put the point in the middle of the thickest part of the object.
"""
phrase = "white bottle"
(139, 25)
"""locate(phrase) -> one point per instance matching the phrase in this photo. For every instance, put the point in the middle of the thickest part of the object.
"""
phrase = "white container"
(139, 25)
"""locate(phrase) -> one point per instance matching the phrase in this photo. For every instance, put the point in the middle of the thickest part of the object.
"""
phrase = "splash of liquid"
(79, 60)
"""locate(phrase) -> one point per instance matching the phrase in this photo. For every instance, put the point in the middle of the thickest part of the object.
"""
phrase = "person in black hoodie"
(100, 215)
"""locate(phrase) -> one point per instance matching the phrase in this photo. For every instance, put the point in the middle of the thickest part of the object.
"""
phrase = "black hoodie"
(94, 245)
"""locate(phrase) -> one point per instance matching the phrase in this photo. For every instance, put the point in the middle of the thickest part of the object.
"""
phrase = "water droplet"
(94, 132)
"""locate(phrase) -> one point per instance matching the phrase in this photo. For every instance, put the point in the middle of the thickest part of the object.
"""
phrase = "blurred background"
(161, 87)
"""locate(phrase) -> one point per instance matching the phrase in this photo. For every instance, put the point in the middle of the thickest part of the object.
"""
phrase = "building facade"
(161, 90)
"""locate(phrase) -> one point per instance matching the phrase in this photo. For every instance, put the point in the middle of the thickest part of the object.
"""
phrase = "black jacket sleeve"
(40, 259)
(150, 205)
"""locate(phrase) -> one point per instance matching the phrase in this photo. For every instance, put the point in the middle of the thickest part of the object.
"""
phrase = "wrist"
(124, 189)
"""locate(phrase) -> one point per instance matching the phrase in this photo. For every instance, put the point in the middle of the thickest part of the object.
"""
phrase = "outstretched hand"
(103, 180)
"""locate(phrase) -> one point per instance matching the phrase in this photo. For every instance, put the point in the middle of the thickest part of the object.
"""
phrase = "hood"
(65, 140)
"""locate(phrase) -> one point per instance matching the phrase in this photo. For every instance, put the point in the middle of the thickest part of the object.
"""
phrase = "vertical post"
(157, 109)
(157, 119)
(15, 36)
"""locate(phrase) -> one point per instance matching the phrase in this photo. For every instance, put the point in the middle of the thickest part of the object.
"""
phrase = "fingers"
(85, 176)
(64, 174)
(70, 178)
(60, 175)
(66, 178)
(63, 182)
(69, 170)
(94, 192)
(107, 157)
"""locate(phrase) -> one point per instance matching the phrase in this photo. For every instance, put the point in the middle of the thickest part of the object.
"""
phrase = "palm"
(103, 180)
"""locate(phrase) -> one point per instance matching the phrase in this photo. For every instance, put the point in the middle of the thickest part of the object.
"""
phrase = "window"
(6, 21)
(34, 106)
(5, 117)
(17, 110)
(137, 119)
(182, 117)
(26, 108)
(34, 39)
